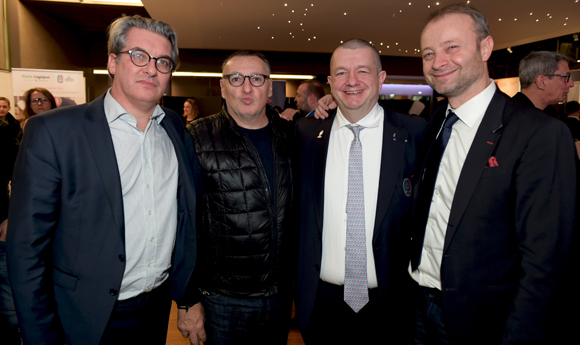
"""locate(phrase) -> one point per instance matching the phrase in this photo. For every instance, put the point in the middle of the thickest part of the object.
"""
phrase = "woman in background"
(190, 111)
(38, 100)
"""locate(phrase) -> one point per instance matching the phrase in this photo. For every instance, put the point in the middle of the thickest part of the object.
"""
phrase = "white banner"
(67, 85)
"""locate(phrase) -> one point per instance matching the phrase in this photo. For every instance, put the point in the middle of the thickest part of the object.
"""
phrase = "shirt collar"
(114, 110)
(470, 111)
(372, 119)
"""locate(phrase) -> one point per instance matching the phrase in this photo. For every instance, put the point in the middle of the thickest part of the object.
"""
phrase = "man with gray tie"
(356, 169)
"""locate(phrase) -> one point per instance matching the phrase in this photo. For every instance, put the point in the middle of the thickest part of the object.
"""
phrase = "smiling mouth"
(353, 92)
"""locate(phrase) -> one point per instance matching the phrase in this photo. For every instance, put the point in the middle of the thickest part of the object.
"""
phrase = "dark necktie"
(425, 195)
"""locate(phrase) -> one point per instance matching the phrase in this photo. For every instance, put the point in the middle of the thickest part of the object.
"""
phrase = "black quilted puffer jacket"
(246, 241)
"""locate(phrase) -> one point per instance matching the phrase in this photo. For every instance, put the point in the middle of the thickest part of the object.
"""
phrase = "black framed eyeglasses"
(42, 100)
(566, 75)
(237, 79)
(142, 58)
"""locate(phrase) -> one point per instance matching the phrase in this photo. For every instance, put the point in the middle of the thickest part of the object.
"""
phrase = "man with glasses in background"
(244, 178)
(545, 79)
(93, 233)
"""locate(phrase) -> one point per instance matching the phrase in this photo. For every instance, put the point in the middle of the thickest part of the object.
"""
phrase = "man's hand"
(3, 227)
(288, 114)
(325, 104)
(190, 323)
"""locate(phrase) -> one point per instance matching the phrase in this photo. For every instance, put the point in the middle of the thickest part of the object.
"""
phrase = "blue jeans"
(246, 320)
(8, 322)
(429, 326)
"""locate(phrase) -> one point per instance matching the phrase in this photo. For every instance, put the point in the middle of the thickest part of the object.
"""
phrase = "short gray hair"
(119, 30)
(357, 43)
(539, 63)
(480, 25)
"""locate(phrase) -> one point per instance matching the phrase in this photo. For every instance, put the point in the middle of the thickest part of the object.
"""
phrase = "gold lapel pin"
(320, 134)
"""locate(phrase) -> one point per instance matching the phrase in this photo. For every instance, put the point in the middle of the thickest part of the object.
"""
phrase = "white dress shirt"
(148, 170)
(463, 132)
(336, 189)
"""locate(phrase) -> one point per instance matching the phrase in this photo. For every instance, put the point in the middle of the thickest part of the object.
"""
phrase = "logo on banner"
(69, 79)
(59, 78)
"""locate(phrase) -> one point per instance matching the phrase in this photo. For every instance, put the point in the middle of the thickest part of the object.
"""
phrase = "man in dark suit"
(96, 191)
(494, 212)
(351, 272)
(545, 79)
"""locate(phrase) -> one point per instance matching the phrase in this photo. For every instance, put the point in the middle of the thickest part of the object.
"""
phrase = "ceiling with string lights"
(393, 26)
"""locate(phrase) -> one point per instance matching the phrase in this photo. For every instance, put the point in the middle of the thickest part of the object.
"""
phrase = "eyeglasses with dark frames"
(141, 58)
(237, 79)
(566, 75)
(42, 100)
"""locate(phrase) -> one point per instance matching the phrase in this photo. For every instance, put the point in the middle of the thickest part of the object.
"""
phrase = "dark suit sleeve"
(33, 217)
(545, 194)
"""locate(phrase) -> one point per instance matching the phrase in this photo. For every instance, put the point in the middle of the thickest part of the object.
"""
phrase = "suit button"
(113, 292)
(317, 268)
(122, 258)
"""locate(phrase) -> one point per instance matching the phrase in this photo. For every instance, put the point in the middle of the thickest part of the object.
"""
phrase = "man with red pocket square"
(495, 201)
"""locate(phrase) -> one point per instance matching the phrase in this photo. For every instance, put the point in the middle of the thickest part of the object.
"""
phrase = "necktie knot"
(355, 129)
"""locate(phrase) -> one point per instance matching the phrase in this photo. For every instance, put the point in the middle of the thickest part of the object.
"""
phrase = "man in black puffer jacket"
(244, 274)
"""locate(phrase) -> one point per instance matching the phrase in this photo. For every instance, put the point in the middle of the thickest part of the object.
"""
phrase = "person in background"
(38, 100)
(9, 133)
(190, 111)
(307, 96)
(545, 79)
(100, 232)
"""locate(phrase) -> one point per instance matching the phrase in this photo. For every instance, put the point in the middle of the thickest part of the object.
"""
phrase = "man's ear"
(540, 82)
(486, 48)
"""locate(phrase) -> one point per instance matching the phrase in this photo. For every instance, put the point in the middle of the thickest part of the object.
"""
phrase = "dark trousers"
(240, 321)
(9, 332)
(429, 328)
(140, 320)
(334, 322)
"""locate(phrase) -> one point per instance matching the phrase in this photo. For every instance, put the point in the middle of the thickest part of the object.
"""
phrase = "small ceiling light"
(288, 22)
(340, 42)
(379, 51)
(309, 39)
(387, 47)
(409, 4)
(500, 19)
(292, 36)
(515, 19)
(400, 11)
(272, 37)
(428, 6)
(468, 2)
(566, 18)
(370, 42)
(292, 11)
(345, 13)
(285, 4)
(314, 37)
(537, 20)
(531, 13)
(381, 43)
(304, 13)
(397, 43)
(258, 28)
(406, 51)
(290, 33)
(437, 3)
(300, 24)
(547, 15)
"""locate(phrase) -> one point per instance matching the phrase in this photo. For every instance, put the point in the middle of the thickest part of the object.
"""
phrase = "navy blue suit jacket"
(398, 162)
(66, 250)
(508, 241)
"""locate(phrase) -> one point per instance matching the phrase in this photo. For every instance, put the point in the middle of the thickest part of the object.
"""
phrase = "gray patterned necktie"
(356, 292)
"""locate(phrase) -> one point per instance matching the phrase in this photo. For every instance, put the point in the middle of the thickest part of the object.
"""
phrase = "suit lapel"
(486, 138)
(101, 143)
(319, 154)
(391, 161)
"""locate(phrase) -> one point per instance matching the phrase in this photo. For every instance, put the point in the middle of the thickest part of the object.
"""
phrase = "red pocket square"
(492, 162)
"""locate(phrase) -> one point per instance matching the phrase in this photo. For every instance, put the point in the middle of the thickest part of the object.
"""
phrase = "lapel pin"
(394, 135)
(320, 134)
